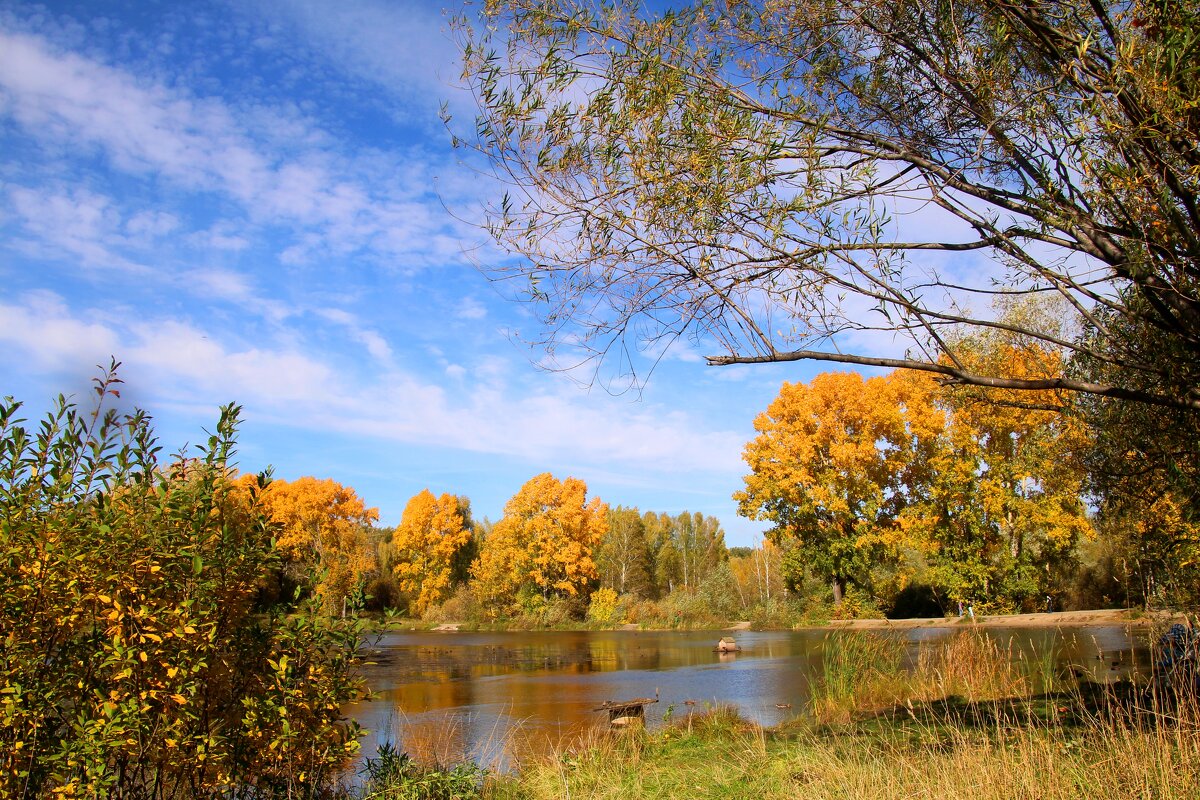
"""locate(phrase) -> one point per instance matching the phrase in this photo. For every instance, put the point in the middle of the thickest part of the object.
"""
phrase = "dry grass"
(1111, 759)
(961, 725)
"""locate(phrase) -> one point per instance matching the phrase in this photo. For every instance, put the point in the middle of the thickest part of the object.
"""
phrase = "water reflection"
(491, 697)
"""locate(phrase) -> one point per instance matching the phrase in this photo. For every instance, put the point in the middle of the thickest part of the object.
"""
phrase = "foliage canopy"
(542, 547)
(745, 170)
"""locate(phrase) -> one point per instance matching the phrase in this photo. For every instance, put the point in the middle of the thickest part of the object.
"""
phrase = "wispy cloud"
(403, 48)
(81, 225)
(39, 330)
(292, 385)
(334, 201)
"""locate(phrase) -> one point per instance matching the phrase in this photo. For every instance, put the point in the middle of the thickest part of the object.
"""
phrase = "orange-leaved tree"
(431, 534)
(542, 548)
(323, 535)
(826, 470)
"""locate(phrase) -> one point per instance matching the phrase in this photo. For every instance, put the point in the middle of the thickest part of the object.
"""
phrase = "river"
(448, 696)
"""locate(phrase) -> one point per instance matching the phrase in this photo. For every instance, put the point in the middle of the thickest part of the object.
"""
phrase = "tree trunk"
(839, 589)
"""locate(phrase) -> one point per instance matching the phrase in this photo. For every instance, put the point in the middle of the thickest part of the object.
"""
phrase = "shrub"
(604, 607)
(134, 661)
(462, 606)
(395, 776)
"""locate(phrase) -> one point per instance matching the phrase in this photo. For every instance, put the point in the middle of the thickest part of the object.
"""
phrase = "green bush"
(392, 775)
(135, 662)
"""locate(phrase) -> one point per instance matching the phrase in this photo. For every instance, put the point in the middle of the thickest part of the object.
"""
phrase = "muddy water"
(491, 697)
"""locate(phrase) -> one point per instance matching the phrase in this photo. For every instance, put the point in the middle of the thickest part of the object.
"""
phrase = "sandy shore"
(1063, 619)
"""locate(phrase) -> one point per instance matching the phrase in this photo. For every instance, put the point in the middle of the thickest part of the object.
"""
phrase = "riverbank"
(1058, 619)
(971, 722)
(968, 722)
(723, 758)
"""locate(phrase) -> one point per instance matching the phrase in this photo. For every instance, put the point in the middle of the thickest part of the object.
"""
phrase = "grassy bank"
(966, 722)
(719, 756)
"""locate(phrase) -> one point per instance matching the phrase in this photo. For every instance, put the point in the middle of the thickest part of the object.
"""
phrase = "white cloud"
(375, 344)
(224, 236)
(334, 201)
(470, 308)
(402, 48)
(485, 412)
(82, 225)
(152, 224)
(42, 330)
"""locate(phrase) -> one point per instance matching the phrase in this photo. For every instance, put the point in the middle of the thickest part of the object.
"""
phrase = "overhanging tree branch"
(955, 375)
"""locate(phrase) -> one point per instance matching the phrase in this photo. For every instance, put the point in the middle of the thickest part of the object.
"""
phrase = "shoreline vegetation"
(969, 720)
(1056, 619)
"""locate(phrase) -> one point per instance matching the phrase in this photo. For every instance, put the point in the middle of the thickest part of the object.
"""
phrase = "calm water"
(490, 697)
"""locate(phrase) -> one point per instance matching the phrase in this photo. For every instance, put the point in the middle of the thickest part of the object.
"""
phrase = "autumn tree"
(748, 172)
(757, 573)
(322, 532)
(995, 496)
(1143, 472)
(425, 547)
(825, 471)
(543, 544)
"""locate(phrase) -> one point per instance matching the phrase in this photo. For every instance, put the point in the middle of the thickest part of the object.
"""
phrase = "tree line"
(907, 495)
(552, 546)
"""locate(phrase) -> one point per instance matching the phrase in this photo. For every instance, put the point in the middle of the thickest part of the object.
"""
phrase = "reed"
(955, 722)
(858, 670)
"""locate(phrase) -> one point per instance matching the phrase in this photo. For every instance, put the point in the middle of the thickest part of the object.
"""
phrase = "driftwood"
(623, 712)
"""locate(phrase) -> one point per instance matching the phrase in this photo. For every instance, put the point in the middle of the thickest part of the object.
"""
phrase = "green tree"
(665, 556)
(744, 171)
(700, 544)
(623, 557)
(1144, 465)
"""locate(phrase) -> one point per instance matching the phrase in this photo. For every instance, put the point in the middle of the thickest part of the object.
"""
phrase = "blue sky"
(252, 202)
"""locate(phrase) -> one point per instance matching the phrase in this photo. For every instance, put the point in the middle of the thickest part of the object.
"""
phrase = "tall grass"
(953, 722)
(866, 672)
(857, 670)
(1111, 757)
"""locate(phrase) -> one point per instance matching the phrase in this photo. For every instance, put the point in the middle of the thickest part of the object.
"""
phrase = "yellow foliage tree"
(825, 469)
(1002, 505)
(431, 533)
(323, 529)
(543, 543)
